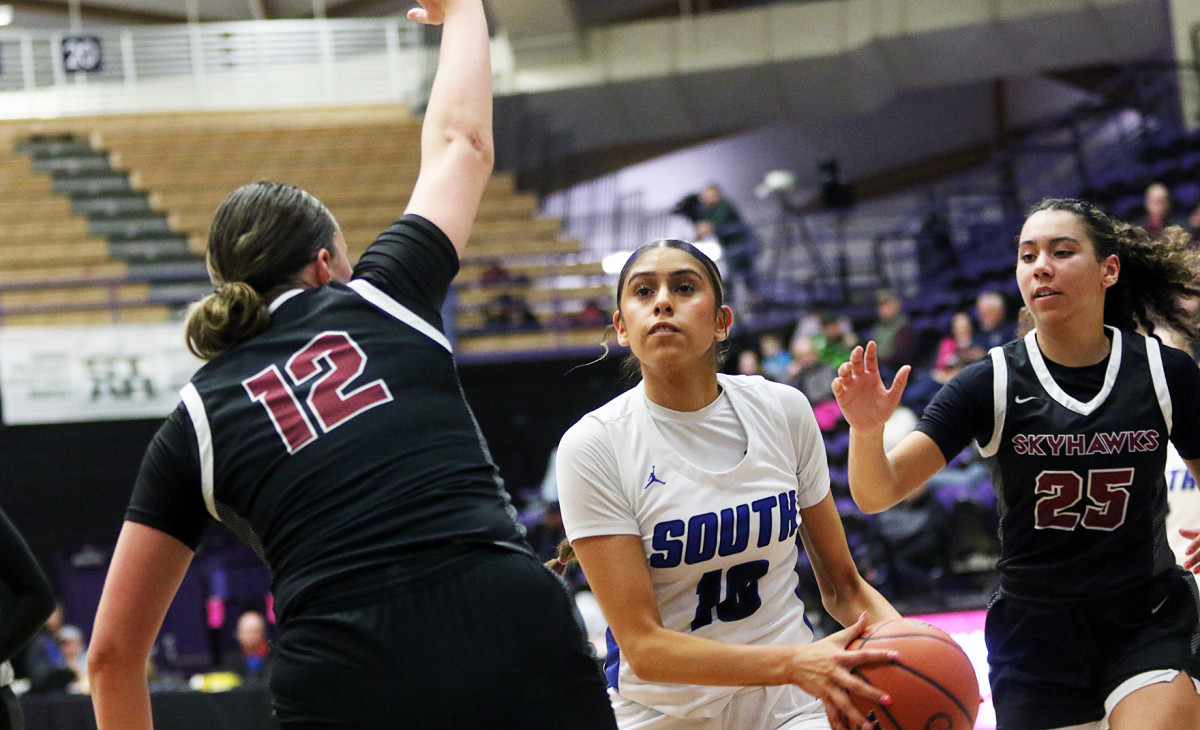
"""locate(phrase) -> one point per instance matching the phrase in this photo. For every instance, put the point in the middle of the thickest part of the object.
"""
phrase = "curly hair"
(1158, 271)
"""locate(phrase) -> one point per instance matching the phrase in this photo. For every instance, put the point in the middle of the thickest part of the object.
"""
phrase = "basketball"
(932, 683)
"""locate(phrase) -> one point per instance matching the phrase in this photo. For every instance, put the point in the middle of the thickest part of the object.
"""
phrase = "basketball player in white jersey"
(683, 499)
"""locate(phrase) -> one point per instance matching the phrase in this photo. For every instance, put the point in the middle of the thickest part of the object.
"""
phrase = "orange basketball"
(932, 683)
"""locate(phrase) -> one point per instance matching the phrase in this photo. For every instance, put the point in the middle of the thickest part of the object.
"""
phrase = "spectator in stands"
(328, 429)
(995, 326)
(44, 659)
(894, 335)
(495, 275)
(748, 363)
(718, 217)
(775, 359)
(28, 604)
(1157, 211)
(918, 534)
(252, 661)
(75, 654)
(509, 313)
(957, 349)
(835, 341)
(592, 315)
(807, 372)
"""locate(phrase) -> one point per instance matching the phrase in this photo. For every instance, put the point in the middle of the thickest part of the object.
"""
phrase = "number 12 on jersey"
(339, 360)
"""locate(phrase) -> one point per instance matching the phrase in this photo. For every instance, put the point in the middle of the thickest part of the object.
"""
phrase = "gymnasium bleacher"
(128, 201)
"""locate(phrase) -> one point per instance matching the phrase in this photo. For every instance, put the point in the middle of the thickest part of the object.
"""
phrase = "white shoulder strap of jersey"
(999, 401)
(1159, 376)
(376, 296)
(195, 408)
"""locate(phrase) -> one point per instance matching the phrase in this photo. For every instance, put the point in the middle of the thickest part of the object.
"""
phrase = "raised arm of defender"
(457, 151)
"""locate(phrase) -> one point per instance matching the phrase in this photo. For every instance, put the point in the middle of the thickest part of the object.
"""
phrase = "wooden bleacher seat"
(360, 161)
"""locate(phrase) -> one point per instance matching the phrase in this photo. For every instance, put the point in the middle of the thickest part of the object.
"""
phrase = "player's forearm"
(874, 484)
(854, 598)
(460, 102)
(663, 655)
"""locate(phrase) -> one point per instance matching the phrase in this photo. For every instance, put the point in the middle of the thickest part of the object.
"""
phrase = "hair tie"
(561, 561)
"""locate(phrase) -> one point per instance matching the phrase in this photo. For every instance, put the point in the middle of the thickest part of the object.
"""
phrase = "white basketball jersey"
(721, 546)
(1183, 502)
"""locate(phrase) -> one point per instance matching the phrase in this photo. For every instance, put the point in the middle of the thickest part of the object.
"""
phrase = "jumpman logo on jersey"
(653, 479)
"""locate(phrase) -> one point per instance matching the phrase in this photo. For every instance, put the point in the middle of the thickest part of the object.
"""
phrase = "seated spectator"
(44, 660)
(508, 312)
(918, 533)
(747, 363)
(894, 335)
(775, 359)
(1157, 211)
(835, 340)
(956, 350)
(995, 326)
(74, 652)
(252, 661)
(808, 373)
(592, 315)
(495, 275)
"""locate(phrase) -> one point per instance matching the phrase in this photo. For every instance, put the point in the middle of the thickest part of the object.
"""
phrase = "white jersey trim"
(1159, 376)
(376, 296)
(195, 408)
(999, 401)
(278, 301)
(1060, 395)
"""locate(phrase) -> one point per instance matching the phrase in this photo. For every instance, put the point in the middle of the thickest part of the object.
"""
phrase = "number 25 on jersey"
(338, 359)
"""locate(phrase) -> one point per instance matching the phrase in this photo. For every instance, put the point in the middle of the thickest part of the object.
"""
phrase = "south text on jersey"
(727, 532)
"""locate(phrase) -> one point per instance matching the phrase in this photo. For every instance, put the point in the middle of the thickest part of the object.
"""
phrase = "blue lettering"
(787, 515)
(701, 538)
(666, 542)
(763, 507)
(1180, 479)
(735, 533)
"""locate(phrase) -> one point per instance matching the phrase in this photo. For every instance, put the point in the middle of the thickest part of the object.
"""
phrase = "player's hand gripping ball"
(932, 683)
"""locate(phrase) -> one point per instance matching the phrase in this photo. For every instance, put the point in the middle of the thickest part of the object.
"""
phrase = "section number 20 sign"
(82, 53)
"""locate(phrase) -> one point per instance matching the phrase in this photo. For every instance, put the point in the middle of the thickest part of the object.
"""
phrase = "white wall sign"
(72, 374)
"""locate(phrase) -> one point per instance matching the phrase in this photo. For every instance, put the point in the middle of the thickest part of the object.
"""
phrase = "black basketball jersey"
(1080, 484)
(338, 443)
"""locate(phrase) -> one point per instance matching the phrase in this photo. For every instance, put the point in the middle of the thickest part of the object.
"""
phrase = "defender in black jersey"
(330, 432)
(1093, 618)
(28, 602)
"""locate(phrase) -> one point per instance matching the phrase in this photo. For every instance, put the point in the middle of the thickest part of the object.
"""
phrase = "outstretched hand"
(1192, 563)
(824, 672)
(865, 402)
(431, 12)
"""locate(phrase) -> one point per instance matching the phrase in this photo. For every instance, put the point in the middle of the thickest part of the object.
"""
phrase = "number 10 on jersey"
(338, 359)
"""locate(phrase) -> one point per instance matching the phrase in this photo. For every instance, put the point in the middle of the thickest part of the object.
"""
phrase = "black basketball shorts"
(494, 646)
(1053, 664)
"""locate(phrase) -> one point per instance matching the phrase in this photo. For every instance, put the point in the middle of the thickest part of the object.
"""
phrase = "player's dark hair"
(1158, 271)
(262, 236)
(631, 367)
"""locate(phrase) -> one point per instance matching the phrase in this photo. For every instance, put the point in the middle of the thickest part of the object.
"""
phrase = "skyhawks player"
(329, 430)
(682, 499)
(1093, 617)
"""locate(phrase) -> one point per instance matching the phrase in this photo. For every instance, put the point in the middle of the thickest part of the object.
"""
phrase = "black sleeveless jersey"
(338, 443)
(1077, 457)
